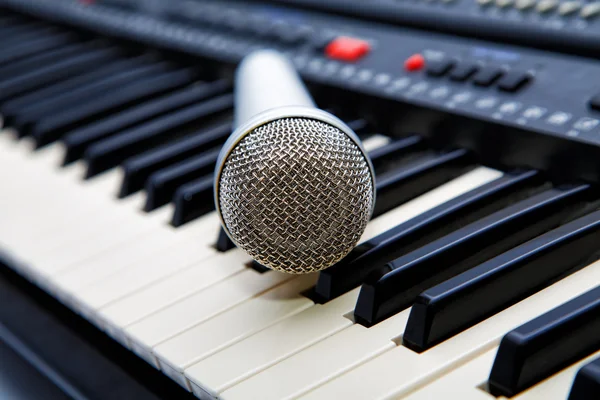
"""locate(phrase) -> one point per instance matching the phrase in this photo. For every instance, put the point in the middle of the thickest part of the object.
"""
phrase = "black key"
(193, 200)
(547, 344)
(461, 302)
(43, 43)
(16, 34)
(587, 382)
(79, 140)
(385, 158)
(54, 72)
(390, 289)
(112, 151)
(52, 106)
(137, 169)
(161, 185)
(49, 95)
(223, 242)
(144, 89)
(404, 184)
(44, 60)
(357, 125)
(429, 226)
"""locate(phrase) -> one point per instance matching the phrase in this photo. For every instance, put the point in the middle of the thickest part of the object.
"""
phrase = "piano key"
(54, 188)
(96, 235)
(45, 58)
(199, 307)
(462, 301)
(587, 381)
(79, 140)
(37, 44)
(399, 186)
(153, 85)
(136, 170)
(534, 351)
(112, 151)
(116, 316)
(117, 74)
(20, 33)
(223, 242)
(469, 382)
(216, 373)
(193, 246)
(395, 286)
(413, 371)
(383, 156)
(255, 353)
(559, 384)
(320, 362)
(162, 184)
(241, 321)
(193, 200)
(426, 227)
(52, 72)
(44, 95)
(130, 249)
(375, 141)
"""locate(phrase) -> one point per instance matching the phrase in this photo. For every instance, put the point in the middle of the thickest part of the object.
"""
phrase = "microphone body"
(294, 187)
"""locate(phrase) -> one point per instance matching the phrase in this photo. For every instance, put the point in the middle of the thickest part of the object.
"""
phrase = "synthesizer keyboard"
(476, 279)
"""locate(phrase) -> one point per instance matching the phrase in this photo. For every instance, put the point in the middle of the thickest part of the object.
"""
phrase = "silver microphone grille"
(296, 194)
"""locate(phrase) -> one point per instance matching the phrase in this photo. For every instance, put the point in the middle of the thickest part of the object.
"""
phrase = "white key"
(558, 385)
(104, 240)
(321, 362)
(140, 247)
(216, 374)
(376, 141)
(199, 307)
(469, 382)
(461, 383)
(207, 338)
(140, 304)
(232, 365)
(412, 370)
(189, 250)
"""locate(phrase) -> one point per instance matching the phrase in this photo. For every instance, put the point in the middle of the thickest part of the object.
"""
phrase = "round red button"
(415, 62)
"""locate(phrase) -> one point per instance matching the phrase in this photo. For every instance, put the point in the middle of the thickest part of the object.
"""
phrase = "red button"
(414, 62)
(347, 49)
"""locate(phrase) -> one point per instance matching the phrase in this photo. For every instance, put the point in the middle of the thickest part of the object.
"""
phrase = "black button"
(514, 80)
(595, 102)
(439, 67)
(235, 21)
(463, 71)
(291, 34)
(487, 75)
(261, 27)
(320, 42)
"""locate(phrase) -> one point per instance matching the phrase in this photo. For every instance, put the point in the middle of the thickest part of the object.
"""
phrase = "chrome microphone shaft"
(266, 80)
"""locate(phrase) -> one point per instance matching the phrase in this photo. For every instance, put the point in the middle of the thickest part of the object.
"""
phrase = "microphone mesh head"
(296, 194)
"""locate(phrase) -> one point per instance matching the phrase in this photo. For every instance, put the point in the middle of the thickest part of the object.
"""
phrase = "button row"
(566, 8)
(481, 75)
(253, 25)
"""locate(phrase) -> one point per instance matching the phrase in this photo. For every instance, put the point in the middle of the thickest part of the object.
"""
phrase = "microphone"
(294, 188)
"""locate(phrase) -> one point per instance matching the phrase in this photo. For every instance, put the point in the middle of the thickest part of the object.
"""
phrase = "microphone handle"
(265, 80)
